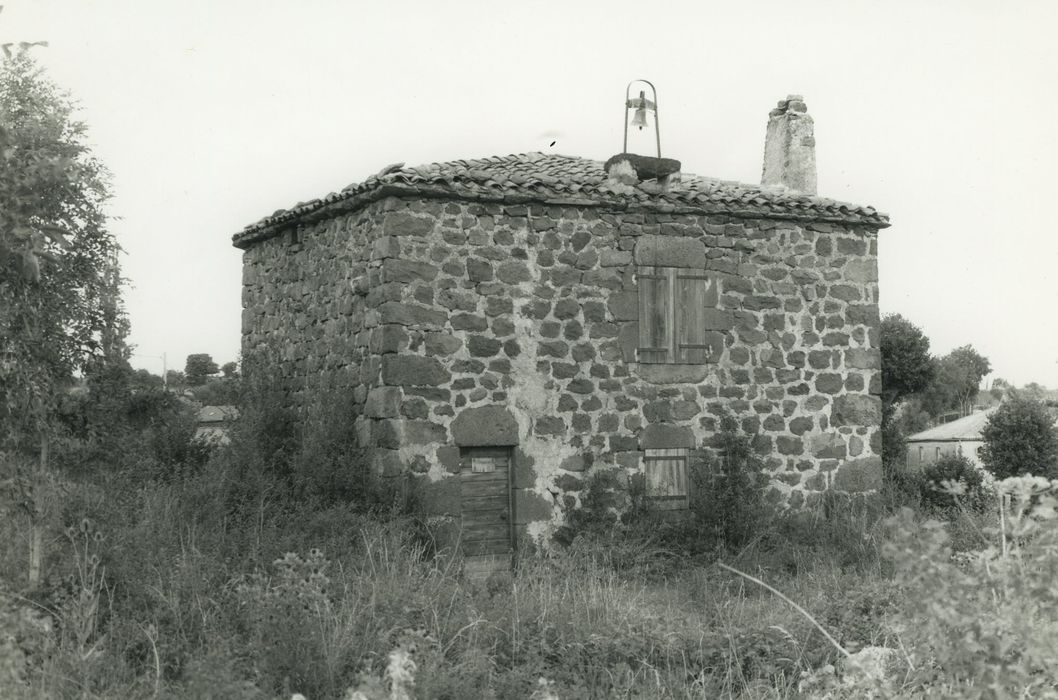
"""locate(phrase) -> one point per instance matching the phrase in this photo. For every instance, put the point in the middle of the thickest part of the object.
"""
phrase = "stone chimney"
(790, 147)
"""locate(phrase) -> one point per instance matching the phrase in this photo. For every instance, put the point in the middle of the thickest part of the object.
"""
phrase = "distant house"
(959, 437)
(214, 423)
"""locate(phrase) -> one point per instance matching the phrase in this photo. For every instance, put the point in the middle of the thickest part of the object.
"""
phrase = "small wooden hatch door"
(666, 471)
(485, 474)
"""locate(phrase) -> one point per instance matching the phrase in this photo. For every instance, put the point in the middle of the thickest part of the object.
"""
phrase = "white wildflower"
(870, 664)
(401, 674)
(545, 690)
(953, 487)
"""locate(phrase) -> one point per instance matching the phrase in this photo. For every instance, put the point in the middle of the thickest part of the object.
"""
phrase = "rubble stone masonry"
(459, 323)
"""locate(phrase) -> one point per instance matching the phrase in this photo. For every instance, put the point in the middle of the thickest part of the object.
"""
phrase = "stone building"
(508, 325)
(959, 437)
(962, 437)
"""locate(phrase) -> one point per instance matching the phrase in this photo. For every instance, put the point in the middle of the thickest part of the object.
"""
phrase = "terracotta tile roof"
(568, 180)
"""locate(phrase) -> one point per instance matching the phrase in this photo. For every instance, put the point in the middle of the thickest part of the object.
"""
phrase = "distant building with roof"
(213, 423)
(508, 326)
(958, 437)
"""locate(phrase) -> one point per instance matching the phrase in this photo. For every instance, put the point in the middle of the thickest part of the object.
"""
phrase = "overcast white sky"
(212, 114)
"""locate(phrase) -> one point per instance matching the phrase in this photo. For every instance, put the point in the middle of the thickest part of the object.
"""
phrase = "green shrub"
(1020, 438)
(727, 505)
(117, 425)
(726, 511)
(28, 639)
(894, 446)
(304, 454)
(952, 482)
(902, 487)
(856, 614)
(329, 464)
(614, 526)
(282, 616)
(218, 391)
(838, 530)
(604, 497)
(264, 437)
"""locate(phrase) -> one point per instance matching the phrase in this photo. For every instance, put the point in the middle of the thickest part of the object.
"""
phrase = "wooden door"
(486, 501)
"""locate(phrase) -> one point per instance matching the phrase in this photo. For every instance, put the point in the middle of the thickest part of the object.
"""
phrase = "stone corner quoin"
(457, 324)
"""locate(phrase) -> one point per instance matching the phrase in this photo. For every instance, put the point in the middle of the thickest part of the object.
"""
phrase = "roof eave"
(320, 210)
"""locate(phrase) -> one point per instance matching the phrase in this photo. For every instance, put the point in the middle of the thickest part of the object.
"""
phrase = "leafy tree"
(1033, 390)
(907, 368)
(913, 418)
(198, 367)
(906, 419)
(142, 379)
(956, 382)
(940, 397)
(968, 367)
(230, 370)
(1020, 438)
(223, 391)
(1000, 388)
(60, 310)
(175, 379)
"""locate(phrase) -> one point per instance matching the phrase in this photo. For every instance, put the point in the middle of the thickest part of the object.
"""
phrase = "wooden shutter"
(666, 474)
(655, 315)
(694, 293)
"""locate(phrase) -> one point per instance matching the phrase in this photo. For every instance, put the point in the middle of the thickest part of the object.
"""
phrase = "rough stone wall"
(528, 314)
(305, 295)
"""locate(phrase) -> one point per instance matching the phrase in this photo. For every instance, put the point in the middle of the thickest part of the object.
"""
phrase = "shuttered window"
(666, 477)
(672, 309)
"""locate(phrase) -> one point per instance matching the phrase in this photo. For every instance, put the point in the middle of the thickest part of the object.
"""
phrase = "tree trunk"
(36, 516)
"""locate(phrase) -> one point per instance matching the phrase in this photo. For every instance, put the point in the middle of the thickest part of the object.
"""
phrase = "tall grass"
(226, 580)
(196, 600)
(195, 604)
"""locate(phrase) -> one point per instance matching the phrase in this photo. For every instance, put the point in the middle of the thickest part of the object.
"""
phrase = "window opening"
(673, 303)
(666, 477)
